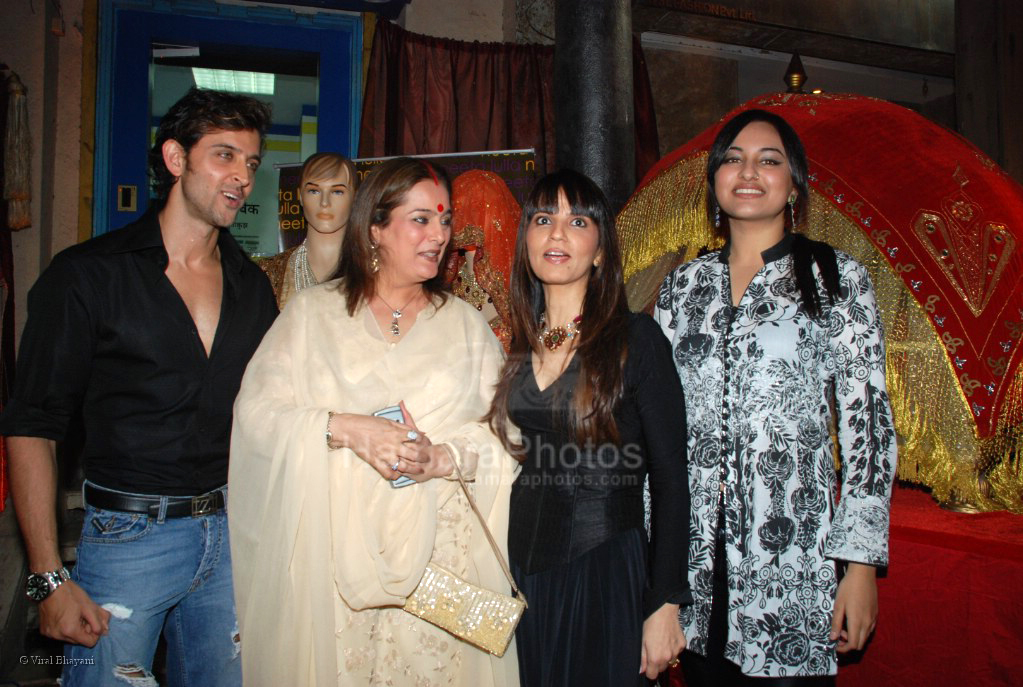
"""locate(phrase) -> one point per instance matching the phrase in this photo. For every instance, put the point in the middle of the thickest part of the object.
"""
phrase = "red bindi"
(440, 207)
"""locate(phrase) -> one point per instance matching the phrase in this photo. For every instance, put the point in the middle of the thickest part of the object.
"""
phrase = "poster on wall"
(516, 167)
(255, 227)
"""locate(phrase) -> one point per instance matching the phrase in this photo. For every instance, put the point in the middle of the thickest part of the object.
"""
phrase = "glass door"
(306, 66)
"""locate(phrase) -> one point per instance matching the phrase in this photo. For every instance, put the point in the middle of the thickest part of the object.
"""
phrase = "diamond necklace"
(553, 338)
(304, 277)
(396, 313)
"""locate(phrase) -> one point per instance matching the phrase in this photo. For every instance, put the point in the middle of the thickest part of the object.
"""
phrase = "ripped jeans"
(171, 575)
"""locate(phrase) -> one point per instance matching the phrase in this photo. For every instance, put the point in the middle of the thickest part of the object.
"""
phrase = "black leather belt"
(177, 506)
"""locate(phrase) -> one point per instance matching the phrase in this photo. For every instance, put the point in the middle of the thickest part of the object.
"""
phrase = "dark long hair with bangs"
(603, 333)
(383, 190)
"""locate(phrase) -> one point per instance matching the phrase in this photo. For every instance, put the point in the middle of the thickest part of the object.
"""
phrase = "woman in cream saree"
(325, 550)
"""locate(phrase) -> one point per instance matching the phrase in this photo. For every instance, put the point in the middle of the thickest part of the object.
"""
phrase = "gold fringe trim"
(665, 225)
(938, 443)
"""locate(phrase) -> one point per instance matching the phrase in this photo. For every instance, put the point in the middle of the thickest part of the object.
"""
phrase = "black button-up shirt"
(109, 336)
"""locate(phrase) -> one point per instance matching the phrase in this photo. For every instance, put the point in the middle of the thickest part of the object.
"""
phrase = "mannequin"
(484, 227)
(326, 190)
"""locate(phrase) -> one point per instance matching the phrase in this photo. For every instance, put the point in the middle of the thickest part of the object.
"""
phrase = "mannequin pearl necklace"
(304, 277)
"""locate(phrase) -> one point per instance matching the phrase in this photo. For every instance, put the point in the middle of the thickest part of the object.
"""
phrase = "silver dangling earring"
(717, 216)
(792, 211)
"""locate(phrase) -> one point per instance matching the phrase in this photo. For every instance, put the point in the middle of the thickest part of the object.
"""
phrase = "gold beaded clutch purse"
(483, 618)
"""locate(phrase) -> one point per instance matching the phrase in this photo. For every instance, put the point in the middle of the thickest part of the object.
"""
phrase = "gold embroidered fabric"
(468, 289)
(276, 269)
(485, 220)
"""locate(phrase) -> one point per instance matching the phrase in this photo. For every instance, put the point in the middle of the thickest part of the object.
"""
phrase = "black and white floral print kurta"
(758, 379)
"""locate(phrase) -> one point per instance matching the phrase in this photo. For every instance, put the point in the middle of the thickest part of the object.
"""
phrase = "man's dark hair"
(199, 112)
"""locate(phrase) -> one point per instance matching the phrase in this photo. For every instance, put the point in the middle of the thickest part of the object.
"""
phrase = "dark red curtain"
(435, 95)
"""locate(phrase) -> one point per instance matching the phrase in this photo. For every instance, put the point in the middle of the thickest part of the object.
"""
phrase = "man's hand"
(69, 615)
(855, 608)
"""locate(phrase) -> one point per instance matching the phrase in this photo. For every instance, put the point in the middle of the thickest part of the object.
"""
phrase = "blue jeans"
(157, 574)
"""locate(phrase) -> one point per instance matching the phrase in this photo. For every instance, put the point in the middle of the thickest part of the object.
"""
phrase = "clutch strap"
(486, 530)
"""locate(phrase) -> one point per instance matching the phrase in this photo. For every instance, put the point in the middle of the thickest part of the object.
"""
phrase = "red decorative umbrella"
(937, 225)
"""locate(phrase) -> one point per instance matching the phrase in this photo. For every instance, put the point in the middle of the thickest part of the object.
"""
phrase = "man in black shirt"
(145, 332)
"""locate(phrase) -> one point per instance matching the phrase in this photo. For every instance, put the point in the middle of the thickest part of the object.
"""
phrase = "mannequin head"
(326, 191)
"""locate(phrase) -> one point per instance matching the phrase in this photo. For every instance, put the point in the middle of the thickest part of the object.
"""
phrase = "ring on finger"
(394, 467)
(411, 435)
(673, 662)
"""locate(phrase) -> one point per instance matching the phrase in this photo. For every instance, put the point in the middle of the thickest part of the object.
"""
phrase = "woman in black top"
(593, 390)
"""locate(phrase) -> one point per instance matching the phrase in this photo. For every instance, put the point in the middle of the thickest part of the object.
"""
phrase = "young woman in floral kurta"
(766, 332)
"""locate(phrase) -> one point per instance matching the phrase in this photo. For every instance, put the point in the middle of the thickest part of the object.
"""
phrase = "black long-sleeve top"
(569, 499)
(109, 337)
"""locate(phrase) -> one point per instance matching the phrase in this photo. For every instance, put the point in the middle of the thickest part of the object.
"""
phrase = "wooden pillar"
(989, 79)
(593, 104)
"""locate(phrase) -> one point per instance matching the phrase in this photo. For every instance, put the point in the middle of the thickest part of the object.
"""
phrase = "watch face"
(37, 587)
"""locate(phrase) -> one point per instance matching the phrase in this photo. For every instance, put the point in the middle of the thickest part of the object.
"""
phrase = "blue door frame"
(128, 29)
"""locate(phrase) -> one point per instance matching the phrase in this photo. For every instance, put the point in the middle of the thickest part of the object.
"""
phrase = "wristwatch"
(39, 586)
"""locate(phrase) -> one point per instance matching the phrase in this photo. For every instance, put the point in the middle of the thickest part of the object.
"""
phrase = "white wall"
(465, 20)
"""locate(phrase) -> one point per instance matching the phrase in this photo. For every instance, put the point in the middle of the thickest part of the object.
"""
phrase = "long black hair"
(804, 250)
(603, 336)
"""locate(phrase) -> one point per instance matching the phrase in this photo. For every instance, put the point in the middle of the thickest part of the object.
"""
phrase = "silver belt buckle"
(203, 505)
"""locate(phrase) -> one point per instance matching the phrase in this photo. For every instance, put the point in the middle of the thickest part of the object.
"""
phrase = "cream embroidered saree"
(324, 550)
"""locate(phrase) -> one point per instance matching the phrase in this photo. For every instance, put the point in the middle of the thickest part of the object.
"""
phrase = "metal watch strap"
(57, 577)
(54, 579)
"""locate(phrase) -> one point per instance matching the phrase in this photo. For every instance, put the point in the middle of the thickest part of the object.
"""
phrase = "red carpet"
(915, 517)
(951, 604)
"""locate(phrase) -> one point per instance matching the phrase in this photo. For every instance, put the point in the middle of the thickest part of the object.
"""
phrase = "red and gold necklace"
(553, 338)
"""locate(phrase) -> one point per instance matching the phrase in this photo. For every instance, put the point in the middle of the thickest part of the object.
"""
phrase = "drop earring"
(374, 260)
(717, 216)
(792, 211)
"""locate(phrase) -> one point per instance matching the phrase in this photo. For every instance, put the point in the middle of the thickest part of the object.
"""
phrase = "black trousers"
(715, 670)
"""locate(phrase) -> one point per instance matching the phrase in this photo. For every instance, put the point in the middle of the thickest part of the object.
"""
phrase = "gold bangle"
(329, 434)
